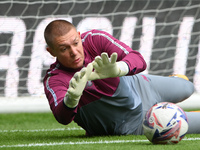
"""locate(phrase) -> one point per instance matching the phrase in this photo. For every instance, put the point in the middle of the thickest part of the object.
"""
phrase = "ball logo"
(151, 119)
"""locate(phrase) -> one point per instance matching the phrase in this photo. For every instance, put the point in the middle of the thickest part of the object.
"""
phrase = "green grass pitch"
(34, 131)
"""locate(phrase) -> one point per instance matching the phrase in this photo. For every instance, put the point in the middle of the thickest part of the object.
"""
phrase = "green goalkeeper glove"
(106, 67)
(76, 86)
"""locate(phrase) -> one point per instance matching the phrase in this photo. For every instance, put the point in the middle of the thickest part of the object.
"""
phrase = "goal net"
(166, 32)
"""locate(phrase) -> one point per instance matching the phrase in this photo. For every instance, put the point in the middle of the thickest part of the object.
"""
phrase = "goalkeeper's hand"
(105, 67)
(76, 86)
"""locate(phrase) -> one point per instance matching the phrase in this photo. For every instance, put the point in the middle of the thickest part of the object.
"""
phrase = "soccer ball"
(165, 123)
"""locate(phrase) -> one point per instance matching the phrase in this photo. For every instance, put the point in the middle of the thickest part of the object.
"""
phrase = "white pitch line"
(41, 130)
(72, 143)
(83, 142)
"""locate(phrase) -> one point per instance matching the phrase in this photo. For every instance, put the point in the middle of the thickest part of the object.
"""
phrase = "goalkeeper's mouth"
(76, 61)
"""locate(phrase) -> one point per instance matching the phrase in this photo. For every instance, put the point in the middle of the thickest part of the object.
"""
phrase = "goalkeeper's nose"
(73, 51)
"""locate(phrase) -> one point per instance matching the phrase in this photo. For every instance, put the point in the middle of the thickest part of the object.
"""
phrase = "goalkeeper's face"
(68, 49)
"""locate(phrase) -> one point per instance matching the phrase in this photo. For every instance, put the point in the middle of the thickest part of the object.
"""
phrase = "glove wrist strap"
(70, 102)
(124, 69)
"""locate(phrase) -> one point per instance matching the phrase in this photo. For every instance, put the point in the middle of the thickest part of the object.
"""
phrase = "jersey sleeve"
(100, 41)
(55, 89)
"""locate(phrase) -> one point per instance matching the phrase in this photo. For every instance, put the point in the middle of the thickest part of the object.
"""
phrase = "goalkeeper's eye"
(76, 43)
(64, 48)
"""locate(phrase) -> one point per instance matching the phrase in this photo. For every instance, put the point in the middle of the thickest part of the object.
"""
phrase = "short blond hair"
(56, 28)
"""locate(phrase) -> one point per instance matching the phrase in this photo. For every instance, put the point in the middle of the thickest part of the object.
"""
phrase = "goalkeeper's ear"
(51, 51)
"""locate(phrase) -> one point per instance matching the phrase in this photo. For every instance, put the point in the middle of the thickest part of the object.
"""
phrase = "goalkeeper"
(95, 81)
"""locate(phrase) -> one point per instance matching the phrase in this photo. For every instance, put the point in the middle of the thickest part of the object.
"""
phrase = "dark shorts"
(120, 114)
(100, 118)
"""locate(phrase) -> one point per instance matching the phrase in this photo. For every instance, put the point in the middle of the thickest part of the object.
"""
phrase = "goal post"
(166, 33)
